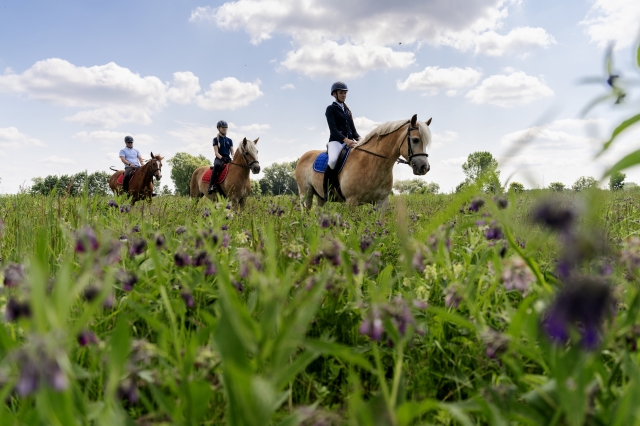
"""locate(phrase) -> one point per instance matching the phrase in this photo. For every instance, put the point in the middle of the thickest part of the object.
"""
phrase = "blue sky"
(76, 77)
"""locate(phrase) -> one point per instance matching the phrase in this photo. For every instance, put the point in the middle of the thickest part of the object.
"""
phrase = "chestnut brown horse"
(367, 176)
(141, 183)
(237, 185)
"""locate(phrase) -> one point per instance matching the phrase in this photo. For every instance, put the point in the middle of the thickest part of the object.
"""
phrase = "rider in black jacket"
(342, 130)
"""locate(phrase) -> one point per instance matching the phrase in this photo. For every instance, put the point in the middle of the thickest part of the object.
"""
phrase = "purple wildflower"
(29, 380)
(109, 301)
(210, 268)
(554, 216)
(372, 327)
(188, 299)
(159, 241)
(128, 280)
(128, 392)
(325, 222)
(112, 203)
(182, 259)
(111, 253)
(476, 205)
(418, 260)
(493, 233)
(125, 208)
(501, 202)
(582, 303)
(228, 206)
(16, 309)
(86, 338)
(496, 343)
(137, 246)
(451, 298)
(365, 242)
(86, 240)
(202, 258)
(226, 239)
(91, 293)
(181, 230)
(238, 285)
(516, 275)
(224, 227)
(13, 275)
(419, 304)
(247, 259)
(135, 229)
(35, 369)
(206, 213)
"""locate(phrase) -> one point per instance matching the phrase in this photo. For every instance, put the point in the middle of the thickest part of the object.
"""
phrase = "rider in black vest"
(342, 130)
(223, 147)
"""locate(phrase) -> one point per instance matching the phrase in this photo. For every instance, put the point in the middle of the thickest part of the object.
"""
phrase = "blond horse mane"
(250, 148)
(390, 127)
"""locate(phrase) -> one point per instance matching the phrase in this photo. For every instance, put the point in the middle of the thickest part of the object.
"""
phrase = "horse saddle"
(206, 177)
(320, 163)
(131, 173)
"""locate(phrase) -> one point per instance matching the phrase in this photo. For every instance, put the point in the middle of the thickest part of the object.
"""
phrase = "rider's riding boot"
(328, 174)
(125, 183)
(214, 179)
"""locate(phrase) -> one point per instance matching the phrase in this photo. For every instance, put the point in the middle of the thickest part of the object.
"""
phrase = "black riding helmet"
(128, 139)
(222, 123)
(338, 85)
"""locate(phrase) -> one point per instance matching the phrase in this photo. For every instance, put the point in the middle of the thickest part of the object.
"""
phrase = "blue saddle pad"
(320, 163)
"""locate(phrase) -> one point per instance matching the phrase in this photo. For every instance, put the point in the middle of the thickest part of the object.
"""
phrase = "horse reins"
(410, 153)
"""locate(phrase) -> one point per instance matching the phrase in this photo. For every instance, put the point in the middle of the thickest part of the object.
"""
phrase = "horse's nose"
(256, 169)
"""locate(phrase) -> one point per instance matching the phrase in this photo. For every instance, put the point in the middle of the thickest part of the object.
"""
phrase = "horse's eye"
(415, 140)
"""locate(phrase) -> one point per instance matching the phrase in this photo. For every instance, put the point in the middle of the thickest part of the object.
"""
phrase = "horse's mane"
(390, 127)
(249, 149)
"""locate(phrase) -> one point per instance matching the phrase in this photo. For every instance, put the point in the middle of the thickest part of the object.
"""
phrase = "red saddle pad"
(121, 177)
(206, 177)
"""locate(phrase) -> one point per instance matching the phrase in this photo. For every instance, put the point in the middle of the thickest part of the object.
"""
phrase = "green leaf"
(628, 161)
(341, 352)
(621, 128)
(454, 318)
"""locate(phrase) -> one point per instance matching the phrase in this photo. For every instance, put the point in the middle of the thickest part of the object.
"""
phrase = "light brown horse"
(237, 185)
(367, 176)
(141, 184)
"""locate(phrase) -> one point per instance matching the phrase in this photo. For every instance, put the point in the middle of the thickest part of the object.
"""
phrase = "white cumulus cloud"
(364, 125)
(433, 79)
(613, 21)
(111, 116)
(114, 139)
(330, 59)
(520, 41)
(184, 88)
(11, 137)
(287, 86)
(56, 160)
(439, 139)
(229, 93)
(326, 33)
(254, 127)
(507, 90)
(566, 133)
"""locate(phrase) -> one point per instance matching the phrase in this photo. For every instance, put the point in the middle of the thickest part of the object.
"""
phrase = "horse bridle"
(153, 172)
(249, 164)
(410, 153)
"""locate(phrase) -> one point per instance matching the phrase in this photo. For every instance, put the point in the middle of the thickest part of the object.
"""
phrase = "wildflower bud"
(16, 309)
(238, 285)
(451, 299)
(127, 280)
(210, 268)
(181, 259)
(325, 222)
(86, 240)
(228, 206)
(553, 215)
(418, 261)
(365, 242)
(206, 213)
(200, 259)
(501, 202)
(128, 392)
(86, 338)
(159, 241)
(112, 203)
(224, 227)
(188, 299)
(13, 275)
(135, 229)
(90, 293)
(493, 233)
(226, 239)
(181, 230)
(125, 208)
(476, 205)
(137, 247)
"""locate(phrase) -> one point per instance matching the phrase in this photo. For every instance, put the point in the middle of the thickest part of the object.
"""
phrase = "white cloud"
(199, 138)
(11, 137)
(519, 41)
(558, 134)
(229, 93)
(330, 59)
(57, 160)
(112, 139)
(184, 88)
(454, 161)
(254, 127)
(433, 79)
(439, 139)
(613, 20)
(516, 88)
(110, 117)
(364, 125)
(327, 33)
(288, 86)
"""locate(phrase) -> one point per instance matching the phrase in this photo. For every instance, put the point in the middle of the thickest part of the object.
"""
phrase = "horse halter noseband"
(153, 172)
(249, 164)
(410, 153)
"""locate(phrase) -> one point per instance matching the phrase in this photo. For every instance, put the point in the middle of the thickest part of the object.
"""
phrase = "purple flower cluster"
(13, 275)
(128, 391)
(452, 298)
(476, 205)
(206, 213)
(16, 309)
(496, 343)
(112, 203)
(493, 233)
(86, 240)
(331, 250)
(365, 242)
(181, 230)
(160, 241)
(397, 312)
(87, 337)
(276, 210)
(125, 208)
(182, 259)
(39, 368)
(555, 216)
(137, 246)
(188, 299)
(128, 280)
(248, 259)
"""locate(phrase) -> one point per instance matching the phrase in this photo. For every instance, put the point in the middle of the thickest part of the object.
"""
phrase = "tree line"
(279, 179)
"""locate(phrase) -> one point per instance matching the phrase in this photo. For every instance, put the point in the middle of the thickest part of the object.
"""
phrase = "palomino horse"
(237, 185)
(367, 176)
(141, 183)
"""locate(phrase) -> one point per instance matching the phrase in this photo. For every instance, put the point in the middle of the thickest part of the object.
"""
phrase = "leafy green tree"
(279, 179)
(584, 182)
(255, 187)
(182, 167)
(411, 186)
(630, 186)
(516, 187)
(430, 188)
(165, 190)
(462, 186)
(98, 183)
(556, 186)
(616, 181)
(481, 165)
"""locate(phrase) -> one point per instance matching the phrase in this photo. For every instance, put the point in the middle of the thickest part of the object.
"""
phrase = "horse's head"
(418, 138)
(249, 152)
(156, 166)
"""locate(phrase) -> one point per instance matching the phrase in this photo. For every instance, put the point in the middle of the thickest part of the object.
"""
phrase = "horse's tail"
(115, 170)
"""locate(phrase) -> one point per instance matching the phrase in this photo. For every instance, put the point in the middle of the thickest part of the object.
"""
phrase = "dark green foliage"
(411, 186)
(279, 179)
(182, 167)
(584, 182)
(516, 187)
(616, 181)
(72, 185)
(556, 186)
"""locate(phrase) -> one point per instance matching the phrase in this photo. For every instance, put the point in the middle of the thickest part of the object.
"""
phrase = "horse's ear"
(414, 120)
(244, 142)
(256, 141)
(152, 154)
(428, 121)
